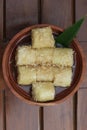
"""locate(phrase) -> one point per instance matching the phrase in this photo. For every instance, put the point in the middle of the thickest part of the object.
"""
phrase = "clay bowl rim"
(6, 74)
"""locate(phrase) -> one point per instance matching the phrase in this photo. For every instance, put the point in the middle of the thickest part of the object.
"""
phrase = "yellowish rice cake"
(25, 56)
(62, 77)
(26, 75)
(44, 73)
(42, 37)
(44, 56)
(43, 91)
(63, 57)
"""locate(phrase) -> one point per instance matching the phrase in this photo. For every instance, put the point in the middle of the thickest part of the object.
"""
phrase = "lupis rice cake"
(26, 75)
(25, 55)
(44, 73)
(62, 76)
(43, 91)
(44, 56)
(42, 37)
(63, 57)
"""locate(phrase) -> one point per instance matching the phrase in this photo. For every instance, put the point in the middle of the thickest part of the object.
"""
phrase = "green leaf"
(67, 36)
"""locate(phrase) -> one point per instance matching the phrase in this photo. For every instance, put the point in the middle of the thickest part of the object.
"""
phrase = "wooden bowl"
(24, 93)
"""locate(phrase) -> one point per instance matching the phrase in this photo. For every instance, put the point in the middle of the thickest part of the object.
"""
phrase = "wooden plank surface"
(81, 10)
(59, 117)
(84, 48)
(1, 19)
(20, 14)
(57, 12)
(1, 111)
(19, 115)
(82, 110)
(2, 48)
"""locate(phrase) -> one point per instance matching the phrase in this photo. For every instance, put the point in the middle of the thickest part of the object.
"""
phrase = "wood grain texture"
(84, 47)
(1, 111)
(82, 110)
(2, 89)
(57, 12)
(20, 115)
(20, 14)
(59, 117)
(81, 10)
(2, 48)
(1, 19)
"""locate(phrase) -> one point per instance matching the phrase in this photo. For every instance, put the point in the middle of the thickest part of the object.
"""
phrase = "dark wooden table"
(14, 113)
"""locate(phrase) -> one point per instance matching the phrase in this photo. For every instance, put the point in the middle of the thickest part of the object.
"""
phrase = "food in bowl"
(23, 38)
(43, 65)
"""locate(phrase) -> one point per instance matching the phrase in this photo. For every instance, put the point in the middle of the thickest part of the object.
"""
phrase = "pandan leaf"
(67, 36)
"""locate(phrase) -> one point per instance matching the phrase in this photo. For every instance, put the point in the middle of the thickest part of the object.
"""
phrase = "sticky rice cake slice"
(62, 76)
(44, 73)
(25, 55)
(42, 37)
(63, 57)
(43, 91)
(26, 75)
(44, 56)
